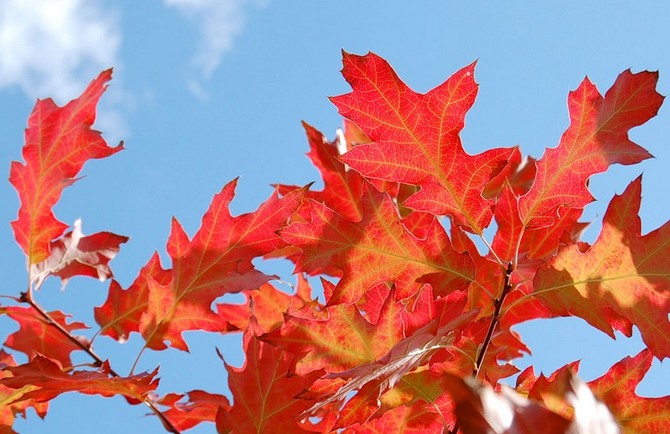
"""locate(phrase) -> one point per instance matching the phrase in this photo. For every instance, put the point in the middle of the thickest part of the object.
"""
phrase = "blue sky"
(208, 90)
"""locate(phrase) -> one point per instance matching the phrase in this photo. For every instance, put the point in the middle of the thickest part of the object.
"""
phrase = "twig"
(26, 297)
(495, 319)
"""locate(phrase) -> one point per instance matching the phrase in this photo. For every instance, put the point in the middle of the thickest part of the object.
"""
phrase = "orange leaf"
(624, 274)
(636, 414)
(416, 139)
(215, 262)
(36, 335)
(596, 138)
(51, 380)
(11, 403)
(59, 140)
(264, 391)
(376, 250)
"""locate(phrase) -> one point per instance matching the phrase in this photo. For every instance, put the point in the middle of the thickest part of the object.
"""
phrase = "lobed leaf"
(416, 139)
(58, 142)
(622, 275)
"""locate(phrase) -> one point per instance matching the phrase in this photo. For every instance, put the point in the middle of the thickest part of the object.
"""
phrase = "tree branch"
(26, 297)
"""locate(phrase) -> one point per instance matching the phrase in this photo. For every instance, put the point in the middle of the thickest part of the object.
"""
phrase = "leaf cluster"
(409, 328)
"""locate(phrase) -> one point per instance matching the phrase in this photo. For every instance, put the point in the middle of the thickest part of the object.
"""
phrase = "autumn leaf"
(52, 380)
(416, 139)
(267, 303)
(58, 142)
(636, 414)
(121, 313)
(37, 335)
(596, 138)
(11, 404)
(623, 274)
(264, 391)
(342, 187)
(357, 249)
(340, 338)
(215, 262)
(200, 407)
(76, 254)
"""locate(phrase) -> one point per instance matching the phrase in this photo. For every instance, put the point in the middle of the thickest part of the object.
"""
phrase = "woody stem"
(26, 297)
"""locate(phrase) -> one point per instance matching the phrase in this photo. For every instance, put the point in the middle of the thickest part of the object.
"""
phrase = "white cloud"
(54, 48)
(219, 22)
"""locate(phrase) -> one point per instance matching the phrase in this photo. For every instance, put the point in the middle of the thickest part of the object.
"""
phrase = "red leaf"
(359, 249)
(59, 140)
(36, 335)
(200, 407)
(596, 138)
(120, 315)
(268, 304)
(342, 187)
(215, 262)
(76, 254)
(264, 391)
(624, 274)
(11, 403)
(416, 139)
(51, 380)
(636, 414)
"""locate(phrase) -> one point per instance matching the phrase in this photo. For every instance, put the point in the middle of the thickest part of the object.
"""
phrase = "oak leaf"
(623, 275)
(58, 142)
(596, 138)
(37, 335)
(358, 248)
(51, 380)
(11, 404)
(416, 139)
(264, 390)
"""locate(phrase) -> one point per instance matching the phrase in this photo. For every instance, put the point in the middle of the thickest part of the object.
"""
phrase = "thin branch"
(495, 319)
(27, 297)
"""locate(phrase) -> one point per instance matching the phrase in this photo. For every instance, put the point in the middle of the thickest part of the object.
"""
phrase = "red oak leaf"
(624, 274)
(37, 335)
(51, 380)
(121, 313)
(358, 249)
(215, 262)
(340, 338)
(200, 407)
(596, 138)
(416, 139)
(11, 403)
(372, 380)
(635, 414)
(342, 187)
(264, 391)
(58, 141)
(268, 304)
(76, 254)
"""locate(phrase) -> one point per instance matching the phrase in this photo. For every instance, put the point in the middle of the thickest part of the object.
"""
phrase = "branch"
(495, 319)
(26, 297)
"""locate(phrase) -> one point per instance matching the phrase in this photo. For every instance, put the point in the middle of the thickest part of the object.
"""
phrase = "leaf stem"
(27, 297)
